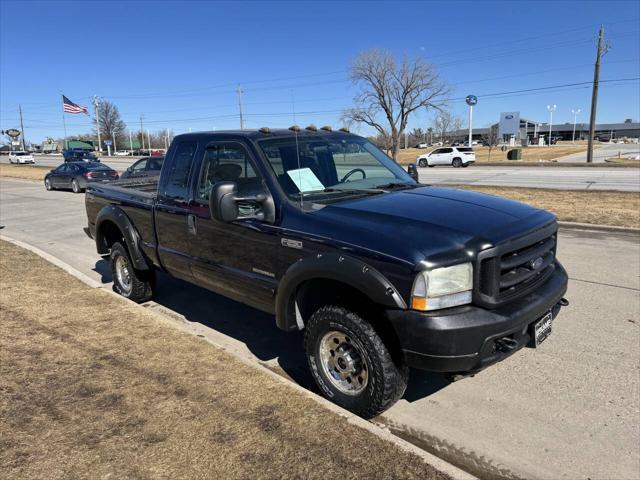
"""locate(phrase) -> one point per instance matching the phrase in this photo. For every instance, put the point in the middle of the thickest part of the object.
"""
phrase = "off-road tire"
(457, 163)
(387, 378)
(423, 163)
(75, 186)
(141, 282)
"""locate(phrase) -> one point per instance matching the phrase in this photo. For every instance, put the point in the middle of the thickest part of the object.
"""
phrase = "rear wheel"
(457, 163)
(47, 184)
(75, 186)
(423, 162)
(350, 363)
(128, 282)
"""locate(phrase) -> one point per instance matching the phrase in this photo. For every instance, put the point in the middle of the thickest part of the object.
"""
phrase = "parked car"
(78, 155)
(122, 153)
(20, 157)
(335, 239)
(455, 156)
(422, 145)
(144, 167)
(77, 175)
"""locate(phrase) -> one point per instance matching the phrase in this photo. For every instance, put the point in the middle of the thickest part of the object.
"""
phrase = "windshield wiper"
(392, 185)
(371, 191)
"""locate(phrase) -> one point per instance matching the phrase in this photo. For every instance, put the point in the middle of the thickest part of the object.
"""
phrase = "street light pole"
(551, 108)
(575, 118)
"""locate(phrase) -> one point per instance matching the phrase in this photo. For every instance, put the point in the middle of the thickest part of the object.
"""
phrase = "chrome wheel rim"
(343, 363)
(74, 185)
(123, 275)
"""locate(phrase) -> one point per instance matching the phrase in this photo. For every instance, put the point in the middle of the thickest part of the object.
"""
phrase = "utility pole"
(130, 143)
(141, 134)
(240, 105)
(602, 49)
(149, 141)
(24, 149)
(95, 105)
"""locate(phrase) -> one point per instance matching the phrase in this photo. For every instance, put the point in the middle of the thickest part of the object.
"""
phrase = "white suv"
(21, 157)
(456, 156)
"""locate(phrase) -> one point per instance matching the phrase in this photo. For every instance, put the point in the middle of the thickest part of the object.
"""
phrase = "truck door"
(234, 259)
(172, 210)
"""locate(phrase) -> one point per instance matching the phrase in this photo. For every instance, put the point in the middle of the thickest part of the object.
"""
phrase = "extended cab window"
(228, 162)
(177, 182)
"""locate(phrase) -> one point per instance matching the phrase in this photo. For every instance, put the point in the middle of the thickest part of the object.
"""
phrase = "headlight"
(442, 287)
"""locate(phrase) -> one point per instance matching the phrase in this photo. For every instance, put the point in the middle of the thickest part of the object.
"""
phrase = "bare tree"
(111, 125)
(391, 92)
(445, 124)
(491, 138)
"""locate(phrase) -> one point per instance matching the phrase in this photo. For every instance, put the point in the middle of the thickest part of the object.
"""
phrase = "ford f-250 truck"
(323, 230)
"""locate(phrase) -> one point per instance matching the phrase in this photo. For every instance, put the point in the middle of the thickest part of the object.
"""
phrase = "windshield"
(96, 166)
(320, 167)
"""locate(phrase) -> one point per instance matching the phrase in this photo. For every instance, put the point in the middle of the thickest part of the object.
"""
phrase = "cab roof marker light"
(344, 129)
(326, 128)
(265, 130)
(312, 128)
(295, 128)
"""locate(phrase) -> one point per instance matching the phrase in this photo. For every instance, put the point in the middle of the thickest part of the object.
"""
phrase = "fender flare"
(332, 266)
(115, 215)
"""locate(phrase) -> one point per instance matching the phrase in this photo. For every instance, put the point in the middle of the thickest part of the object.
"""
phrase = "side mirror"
(412, 170)
(224, 204)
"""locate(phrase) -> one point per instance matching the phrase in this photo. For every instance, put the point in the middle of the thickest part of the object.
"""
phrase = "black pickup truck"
(324, 231)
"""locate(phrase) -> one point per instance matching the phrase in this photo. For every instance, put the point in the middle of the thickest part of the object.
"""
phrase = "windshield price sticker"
(305, 180)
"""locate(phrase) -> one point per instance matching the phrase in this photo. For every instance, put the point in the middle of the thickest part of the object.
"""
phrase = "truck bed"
(136, 198)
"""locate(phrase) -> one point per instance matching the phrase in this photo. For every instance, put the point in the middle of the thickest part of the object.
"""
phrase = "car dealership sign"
(509, 123)
(12, 132)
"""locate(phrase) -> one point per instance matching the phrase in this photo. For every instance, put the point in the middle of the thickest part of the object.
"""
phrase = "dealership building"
(511, 124)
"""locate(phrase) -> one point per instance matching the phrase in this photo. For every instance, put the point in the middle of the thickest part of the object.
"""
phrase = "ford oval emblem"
(536, 263)
(508, 117)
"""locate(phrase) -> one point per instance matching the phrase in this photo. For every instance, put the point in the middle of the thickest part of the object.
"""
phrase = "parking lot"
(569, 408)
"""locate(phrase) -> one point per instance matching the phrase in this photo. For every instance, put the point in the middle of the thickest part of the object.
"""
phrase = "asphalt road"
(569, 409)
(570, 178)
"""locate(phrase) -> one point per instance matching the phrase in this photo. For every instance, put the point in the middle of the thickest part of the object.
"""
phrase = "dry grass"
(29, 172)
(91, 387)
(530, 154)
(597, 207)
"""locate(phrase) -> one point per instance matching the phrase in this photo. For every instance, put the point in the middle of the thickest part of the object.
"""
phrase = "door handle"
(192, 224)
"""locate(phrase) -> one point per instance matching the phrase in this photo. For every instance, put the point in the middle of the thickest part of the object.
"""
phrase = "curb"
(597, 227)
(194, 328)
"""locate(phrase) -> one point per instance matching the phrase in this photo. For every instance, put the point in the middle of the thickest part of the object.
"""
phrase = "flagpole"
(64, 123)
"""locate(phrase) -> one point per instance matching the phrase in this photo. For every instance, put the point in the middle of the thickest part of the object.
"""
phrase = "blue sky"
(178, 63)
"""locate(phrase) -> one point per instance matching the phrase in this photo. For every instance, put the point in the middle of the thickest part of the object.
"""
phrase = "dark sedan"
(145, 167)
(76, 175)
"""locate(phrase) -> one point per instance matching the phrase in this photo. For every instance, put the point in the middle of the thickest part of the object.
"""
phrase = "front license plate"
(542, 328)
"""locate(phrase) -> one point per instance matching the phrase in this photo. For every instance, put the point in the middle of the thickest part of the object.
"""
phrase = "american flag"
(69, 107)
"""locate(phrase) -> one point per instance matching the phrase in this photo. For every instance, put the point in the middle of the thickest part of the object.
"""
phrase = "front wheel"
(47, 184)
(350, 363)
(128, 282)
(457, 163)
(423, 162)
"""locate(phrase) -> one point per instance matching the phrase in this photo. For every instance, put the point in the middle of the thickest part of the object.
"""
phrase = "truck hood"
(427, 221)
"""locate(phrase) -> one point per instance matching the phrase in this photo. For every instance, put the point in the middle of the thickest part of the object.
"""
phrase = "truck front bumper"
(468, 339)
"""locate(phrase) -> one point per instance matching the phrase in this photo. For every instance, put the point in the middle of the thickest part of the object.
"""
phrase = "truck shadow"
(257, 330)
